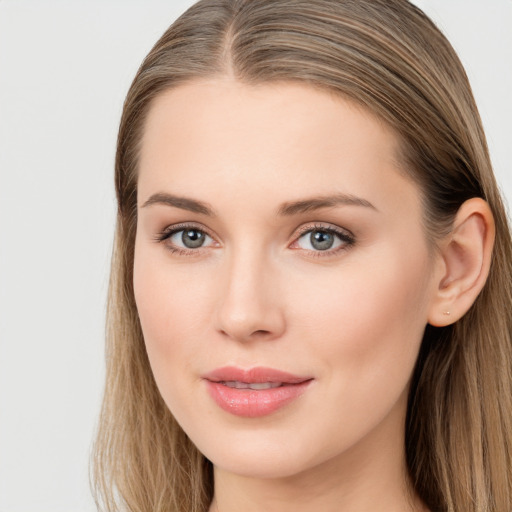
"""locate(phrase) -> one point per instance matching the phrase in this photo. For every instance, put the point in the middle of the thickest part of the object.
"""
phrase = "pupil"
(321, 240)
(192, 238)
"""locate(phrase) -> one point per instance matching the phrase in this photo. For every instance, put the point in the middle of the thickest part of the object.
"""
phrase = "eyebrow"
(183, 203)
(316, 203)
(286, 209)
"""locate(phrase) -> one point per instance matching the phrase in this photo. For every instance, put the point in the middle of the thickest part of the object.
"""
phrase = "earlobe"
(466, 256)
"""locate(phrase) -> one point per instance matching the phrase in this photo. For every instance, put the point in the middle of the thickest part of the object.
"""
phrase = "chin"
(262, 465)
(267, 453)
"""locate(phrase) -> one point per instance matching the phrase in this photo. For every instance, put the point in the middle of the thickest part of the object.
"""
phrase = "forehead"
(204, 133)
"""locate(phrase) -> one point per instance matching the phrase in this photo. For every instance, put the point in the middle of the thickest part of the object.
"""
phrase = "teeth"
(253, 385)
(264, 385)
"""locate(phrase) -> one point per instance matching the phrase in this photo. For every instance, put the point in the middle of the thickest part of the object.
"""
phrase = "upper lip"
(257, 374)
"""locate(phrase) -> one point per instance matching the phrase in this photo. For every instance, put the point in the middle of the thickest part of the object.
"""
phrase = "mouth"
(256, 375)
(255, 392)
(251, 385)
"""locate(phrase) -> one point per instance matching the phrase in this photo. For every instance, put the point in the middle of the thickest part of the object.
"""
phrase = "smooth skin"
(227, 274)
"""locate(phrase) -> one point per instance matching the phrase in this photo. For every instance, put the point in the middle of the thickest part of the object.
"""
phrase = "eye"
(322, 239)
(190, 238)
(185, 239)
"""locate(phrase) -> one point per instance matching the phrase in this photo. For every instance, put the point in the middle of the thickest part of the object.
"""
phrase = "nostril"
(260, 332)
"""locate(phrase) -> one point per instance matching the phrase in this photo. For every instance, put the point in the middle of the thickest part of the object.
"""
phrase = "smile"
(256, 392)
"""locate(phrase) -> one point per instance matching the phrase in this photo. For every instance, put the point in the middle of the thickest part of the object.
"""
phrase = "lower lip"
(251, 403)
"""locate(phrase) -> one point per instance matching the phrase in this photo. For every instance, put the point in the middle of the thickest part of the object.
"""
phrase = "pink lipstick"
(255, 392)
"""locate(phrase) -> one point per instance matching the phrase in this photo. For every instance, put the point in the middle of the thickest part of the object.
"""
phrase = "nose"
(250, 305)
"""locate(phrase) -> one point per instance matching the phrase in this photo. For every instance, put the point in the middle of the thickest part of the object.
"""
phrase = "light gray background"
(65, 67)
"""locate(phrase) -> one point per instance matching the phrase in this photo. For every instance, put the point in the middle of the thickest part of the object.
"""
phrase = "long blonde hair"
(389, 57)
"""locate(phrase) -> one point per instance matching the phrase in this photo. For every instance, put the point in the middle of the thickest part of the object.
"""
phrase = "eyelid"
(322, 226)
(319, 225)
(174, 228)
(345, 235)
(164, 236)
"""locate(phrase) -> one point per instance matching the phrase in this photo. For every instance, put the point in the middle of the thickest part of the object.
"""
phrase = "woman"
(310, 295)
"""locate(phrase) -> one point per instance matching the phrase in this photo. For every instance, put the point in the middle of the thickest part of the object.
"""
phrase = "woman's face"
(282, 275)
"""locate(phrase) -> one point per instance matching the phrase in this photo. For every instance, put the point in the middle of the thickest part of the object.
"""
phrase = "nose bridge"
(249, 306)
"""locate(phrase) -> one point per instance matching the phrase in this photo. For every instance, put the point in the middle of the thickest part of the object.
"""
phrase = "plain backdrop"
(65, 67)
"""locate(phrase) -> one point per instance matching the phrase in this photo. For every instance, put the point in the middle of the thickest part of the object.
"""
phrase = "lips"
(255, 392)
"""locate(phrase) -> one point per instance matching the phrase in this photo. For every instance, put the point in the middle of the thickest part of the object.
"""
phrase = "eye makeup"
(323, 239)
(316, 239)
(195, 236)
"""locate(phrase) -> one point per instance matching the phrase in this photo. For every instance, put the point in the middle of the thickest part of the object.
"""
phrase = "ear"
(465, 261)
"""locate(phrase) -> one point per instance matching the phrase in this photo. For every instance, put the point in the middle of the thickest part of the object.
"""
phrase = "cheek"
(168, 295)
(368, 315)
(172, 315)
(169, 315)
(363, 325)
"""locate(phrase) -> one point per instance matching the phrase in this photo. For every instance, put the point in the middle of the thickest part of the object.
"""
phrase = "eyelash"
(345, 236)
(169, 231)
